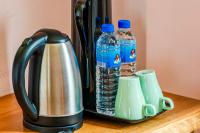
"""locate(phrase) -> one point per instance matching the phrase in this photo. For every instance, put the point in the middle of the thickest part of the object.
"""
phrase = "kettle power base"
(115, 119)
(65, 129)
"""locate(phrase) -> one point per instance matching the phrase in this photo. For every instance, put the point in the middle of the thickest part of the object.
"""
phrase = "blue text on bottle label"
(108, 56)
(128, 52)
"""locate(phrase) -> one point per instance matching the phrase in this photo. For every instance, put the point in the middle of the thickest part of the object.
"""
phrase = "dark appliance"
(88, 16)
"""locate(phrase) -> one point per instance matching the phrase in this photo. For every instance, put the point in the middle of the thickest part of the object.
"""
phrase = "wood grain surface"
(185, 118)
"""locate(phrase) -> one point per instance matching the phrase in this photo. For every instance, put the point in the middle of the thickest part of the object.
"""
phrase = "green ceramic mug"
(152, 91)
(130, 103)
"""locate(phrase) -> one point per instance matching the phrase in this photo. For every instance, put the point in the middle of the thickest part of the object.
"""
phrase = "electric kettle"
(54, 100)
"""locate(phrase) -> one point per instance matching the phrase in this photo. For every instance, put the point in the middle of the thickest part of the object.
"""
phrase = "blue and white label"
(128, 51)
(108, 56)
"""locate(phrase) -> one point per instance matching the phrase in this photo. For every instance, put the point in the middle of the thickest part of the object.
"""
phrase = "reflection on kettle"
(54, 100)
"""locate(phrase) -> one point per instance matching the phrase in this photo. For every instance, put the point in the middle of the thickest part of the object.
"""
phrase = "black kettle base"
(65, 129)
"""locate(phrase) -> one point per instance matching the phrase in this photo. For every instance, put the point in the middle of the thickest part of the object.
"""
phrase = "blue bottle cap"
(124, 24)
(107, 28)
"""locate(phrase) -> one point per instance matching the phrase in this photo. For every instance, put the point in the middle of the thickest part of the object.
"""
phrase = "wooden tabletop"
(185, 118)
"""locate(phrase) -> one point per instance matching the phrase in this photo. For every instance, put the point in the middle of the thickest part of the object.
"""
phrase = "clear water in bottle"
(107, 70)
(127, 43)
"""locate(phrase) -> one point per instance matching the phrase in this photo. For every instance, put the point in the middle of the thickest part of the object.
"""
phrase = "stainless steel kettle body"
(60, 89)
(54, 101)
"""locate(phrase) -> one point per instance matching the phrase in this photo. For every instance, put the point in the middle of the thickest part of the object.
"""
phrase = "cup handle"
(169, 105)
(149, 107)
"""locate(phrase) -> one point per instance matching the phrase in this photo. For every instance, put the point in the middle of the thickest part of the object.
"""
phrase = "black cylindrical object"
(87, 18)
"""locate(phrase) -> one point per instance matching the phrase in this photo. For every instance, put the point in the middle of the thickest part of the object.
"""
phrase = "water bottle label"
(108, 57)
(128, 52)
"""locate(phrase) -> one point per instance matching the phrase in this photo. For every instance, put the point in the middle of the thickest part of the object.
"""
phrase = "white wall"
(173, 44)
(20, 19)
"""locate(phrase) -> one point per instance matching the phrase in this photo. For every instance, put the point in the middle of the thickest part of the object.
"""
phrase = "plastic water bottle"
(108, 64)
(127, 43)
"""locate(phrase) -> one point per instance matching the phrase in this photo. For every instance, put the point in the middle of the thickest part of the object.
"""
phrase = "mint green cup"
(152, 91)
(130, 103)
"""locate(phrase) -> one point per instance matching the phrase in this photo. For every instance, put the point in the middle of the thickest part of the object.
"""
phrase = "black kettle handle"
(22, 57)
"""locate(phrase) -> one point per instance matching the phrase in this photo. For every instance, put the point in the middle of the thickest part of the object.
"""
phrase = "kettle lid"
(54, 36)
